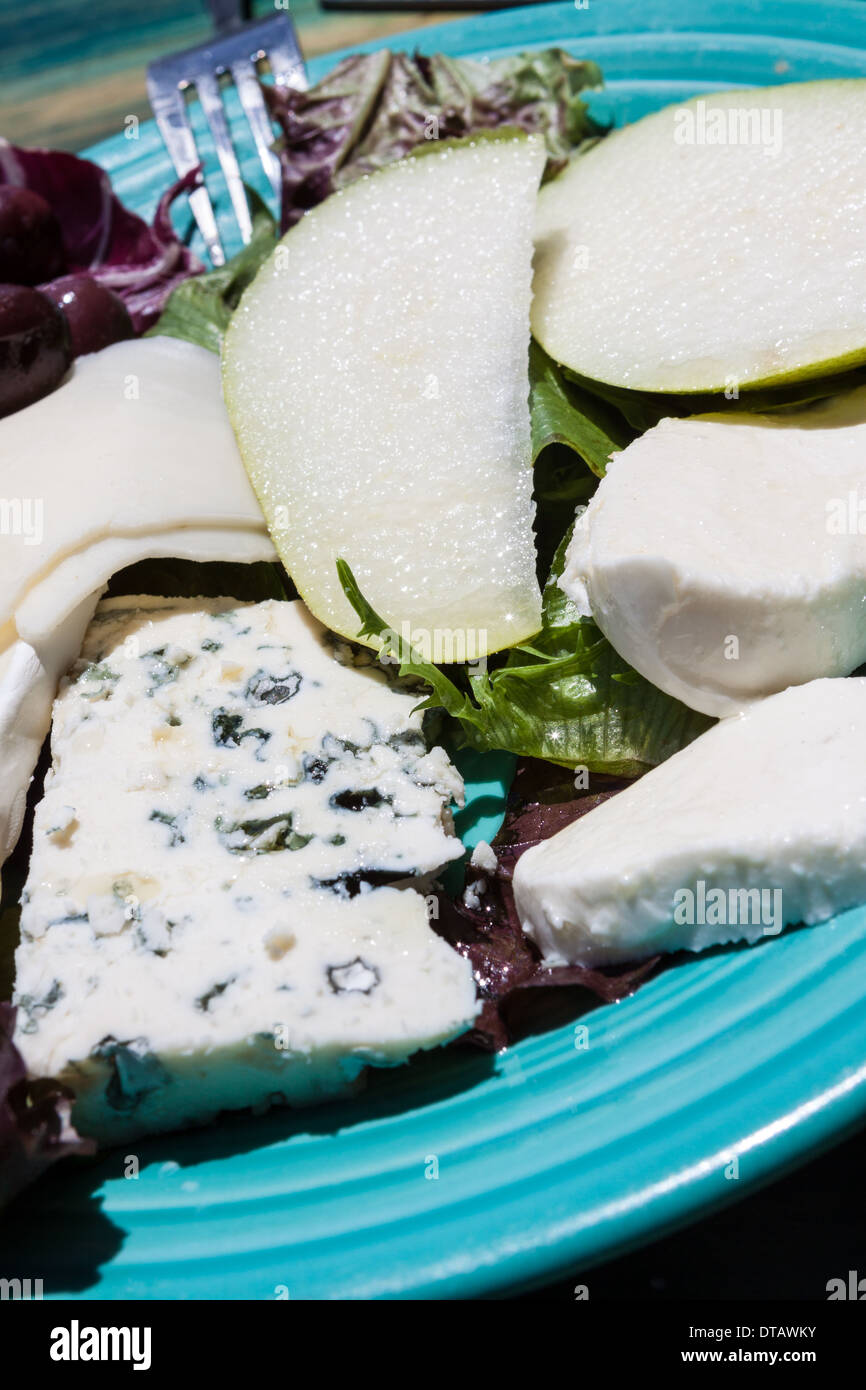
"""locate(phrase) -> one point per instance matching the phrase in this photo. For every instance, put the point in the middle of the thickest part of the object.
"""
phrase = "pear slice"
(376, 375)
(714, 244)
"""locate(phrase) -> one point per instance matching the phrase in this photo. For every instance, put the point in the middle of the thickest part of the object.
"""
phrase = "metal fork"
(235, 51)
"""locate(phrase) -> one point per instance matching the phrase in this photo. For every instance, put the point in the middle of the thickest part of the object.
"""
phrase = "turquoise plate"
(461, 1174)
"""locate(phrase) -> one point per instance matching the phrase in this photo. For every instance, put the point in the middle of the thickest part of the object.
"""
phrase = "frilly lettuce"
(565, 696)
(374, 108)
(562, 412)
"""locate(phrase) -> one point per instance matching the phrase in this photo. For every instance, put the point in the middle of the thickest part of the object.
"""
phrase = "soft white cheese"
(203, 925)
(759, 823)
(135, 442)
(28, 682)
(484, 857)
(724, 557)
(52, 597)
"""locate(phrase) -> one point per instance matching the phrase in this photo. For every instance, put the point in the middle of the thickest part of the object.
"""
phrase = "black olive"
(31, 243)
(35, 350)
(96, 316)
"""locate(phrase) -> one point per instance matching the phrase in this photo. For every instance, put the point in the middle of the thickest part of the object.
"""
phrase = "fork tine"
(250, 96)
(170, 111)
(286, 62)
(209, 95)
(235, 52)
(202, 210)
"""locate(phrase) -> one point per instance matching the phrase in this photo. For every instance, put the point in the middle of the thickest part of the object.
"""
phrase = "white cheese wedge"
(135, 442)
(724, 557)
(759, 823)
(28, 682)
(88, 570)
(208, 922)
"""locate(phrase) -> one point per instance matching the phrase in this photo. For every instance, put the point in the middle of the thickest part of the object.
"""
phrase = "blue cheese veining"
(211, 919)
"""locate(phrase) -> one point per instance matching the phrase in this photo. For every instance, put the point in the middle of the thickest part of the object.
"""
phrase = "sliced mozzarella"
(759, 823)
(136, 441)
(28, 682)
(725, 556)
(76, 576)
(44, 638)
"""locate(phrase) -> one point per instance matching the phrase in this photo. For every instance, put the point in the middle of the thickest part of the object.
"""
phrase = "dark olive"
(31, 243)
(35, 351)
(97, 317)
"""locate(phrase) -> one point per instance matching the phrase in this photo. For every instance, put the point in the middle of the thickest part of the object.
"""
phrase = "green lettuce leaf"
(562, 412)
(641, 410)
(565, 696)
(574, 434)
(199, 310)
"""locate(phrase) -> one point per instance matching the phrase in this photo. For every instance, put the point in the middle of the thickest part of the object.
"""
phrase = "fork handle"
(228, 14)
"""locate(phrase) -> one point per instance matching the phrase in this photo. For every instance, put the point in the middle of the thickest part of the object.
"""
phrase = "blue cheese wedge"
(759, 823)
(219, 911)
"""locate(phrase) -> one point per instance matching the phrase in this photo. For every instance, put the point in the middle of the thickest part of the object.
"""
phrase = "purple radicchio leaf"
(102, 238)
(35, 1128)
(486, 929)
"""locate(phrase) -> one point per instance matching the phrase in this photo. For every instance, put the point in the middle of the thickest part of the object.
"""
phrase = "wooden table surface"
(70, 70)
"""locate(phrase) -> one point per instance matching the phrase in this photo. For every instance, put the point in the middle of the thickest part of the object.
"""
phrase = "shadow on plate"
(57, 1230)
